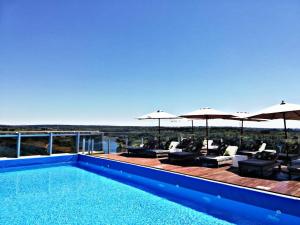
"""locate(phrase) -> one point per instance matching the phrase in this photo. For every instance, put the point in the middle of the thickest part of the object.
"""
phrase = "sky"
(109, 61)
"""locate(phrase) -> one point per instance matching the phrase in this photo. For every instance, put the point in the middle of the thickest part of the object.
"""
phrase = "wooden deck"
(278, 184)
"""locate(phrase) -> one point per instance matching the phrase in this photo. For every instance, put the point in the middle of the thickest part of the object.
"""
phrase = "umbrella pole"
(158, 133)
(242, 132)
(285, 136)
(192, 126)
(207, 133)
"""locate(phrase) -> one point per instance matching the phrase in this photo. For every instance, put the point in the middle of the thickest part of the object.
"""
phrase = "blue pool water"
(87, 190)
(70, 195)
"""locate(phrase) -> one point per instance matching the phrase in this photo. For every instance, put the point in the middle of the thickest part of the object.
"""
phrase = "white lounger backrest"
(262, 147)
(173, 145)
(210, 142)
(231, 150)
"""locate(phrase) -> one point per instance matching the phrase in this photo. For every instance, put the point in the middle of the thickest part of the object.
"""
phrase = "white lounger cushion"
(262, 147)
(176, 150)
(220, 158)
(209, 142)
(173, 145)
(210, 145)
(230, 150)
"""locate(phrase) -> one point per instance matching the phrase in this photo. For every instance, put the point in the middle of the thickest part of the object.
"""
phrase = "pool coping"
(202, 178)
(150, 167)
(37, 156)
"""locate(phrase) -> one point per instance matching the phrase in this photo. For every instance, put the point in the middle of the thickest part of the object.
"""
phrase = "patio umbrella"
(158, 115)
(244, 116)
(207, 113)
(285, 111)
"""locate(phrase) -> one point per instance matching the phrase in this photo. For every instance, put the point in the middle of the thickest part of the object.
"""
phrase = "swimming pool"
(77, 189)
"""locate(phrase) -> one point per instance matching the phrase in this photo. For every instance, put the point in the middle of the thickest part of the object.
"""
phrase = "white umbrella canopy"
(158, 115)
(207, 113)
(285, 111)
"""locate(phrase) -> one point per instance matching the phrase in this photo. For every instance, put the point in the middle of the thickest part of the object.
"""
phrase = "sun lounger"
(226, 158)
(141, 150)
(136, 150)
(189, 153)
(262, 167)
(211, 147)
(181, 156)
(250, 154)
(153, 153)
(156, 153)
(263, 164)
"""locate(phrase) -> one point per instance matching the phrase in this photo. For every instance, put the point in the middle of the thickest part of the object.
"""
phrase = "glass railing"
(27, 143)
(91, 142)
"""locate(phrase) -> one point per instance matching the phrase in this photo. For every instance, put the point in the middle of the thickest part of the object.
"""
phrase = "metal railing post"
(108, 145)
(92, 147)
(83, 145)
(19, 145)
(89, 145)
(77, 142)
(102, 142)
(50, 146)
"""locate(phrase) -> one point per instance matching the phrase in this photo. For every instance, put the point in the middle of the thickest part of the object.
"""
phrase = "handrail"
(50, 131)
(47, 134)
(50, 134)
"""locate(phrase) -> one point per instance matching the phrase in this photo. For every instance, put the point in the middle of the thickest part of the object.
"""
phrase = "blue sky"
(106, 62)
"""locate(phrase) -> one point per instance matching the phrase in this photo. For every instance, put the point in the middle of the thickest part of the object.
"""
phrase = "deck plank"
(223, 174)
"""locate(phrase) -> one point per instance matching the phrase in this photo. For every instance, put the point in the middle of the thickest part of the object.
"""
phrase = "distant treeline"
(105, 128)
(135, 135)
